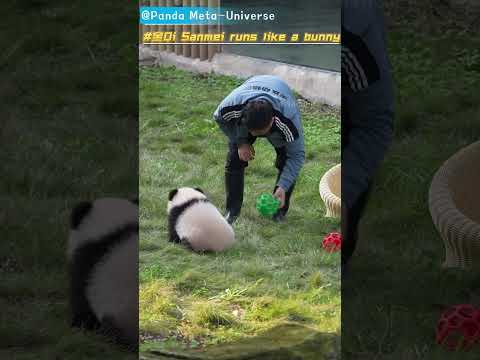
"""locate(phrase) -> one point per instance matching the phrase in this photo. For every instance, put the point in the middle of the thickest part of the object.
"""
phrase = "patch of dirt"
(321, 109)
(173, 335)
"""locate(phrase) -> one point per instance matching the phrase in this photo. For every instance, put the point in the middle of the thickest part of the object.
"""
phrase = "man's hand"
(246, 152)
(280, 195)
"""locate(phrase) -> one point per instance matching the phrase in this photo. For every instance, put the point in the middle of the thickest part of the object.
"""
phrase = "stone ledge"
(313, 84)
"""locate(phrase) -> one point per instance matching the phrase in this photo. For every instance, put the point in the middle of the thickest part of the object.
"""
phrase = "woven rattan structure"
(330, 191)
(454, 202)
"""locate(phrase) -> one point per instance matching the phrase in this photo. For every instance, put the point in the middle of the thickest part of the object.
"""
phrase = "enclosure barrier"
(194, 51)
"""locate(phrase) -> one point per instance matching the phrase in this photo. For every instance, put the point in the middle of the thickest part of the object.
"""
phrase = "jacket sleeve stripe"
(286, 126)
(285, 130)
(355, 75)
(358, 63)
(232, 115)
(229, 113)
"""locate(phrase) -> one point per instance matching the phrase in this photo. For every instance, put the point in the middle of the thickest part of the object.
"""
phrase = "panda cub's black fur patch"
(172, 194)
(83, 262)
(82, 265)
(79, 212)
(176, 212)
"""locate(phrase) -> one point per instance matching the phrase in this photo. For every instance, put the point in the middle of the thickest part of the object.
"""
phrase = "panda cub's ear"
(78, 213)
(172, 194)
(200, 190)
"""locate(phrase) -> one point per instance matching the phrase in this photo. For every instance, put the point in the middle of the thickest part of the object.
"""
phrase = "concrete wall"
(313, 84)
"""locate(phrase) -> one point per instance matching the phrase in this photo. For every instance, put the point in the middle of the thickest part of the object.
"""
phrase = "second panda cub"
(195, 222)
(103, 261)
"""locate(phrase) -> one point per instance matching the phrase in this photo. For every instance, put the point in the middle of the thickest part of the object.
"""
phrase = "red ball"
(332, 242)
(459, 327)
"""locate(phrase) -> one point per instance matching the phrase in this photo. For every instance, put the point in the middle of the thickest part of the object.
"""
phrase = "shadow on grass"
(284, 342)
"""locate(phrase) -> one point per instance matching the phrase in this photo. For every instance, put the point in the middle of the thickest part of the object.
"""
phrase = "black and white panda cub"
(195, 222)
(103, 259)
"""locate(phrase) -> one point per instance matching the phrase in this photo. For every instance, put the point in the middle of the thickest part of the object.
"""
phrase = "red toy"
(459, 327)
(332, 242)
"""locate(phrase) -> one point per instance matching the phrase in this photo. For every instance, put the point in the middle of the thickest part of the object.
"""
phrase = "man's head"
(258, 117)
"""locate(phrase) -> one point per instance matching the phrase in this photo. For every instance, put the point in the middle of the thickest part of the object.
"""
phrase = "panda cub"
(103, 260)
(195, 222)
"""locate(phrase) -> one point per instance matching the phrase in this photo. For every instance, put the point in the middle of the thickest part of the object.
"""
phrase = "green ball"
(267, 205)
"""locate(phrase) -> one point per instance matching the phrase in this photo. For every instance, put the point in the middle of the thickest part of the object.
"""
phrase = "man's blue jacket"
(287, 130)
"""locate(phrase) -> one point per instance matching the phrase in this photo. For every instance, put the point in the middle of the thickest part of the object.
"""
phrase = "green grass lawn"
(276, 274)
(64, 131)
(390, 302)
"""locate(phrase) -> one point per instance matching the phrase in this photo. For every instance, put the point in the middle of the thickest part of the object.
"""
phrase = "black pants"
(350, 225)
(234, 165)
(353, 214)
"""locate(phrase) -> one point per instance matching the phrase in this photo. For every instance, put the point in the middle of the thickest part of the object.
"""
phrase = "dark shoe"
(230, 217)
(279, 217)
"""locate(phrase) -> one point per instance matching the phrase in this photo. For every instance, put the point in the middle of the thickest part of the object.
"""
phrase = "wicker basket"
(330, 191)
(454, 202)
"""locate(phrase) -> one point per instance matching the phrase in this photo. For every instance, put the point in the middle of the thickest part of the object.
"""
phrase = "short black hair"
(257, 114)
